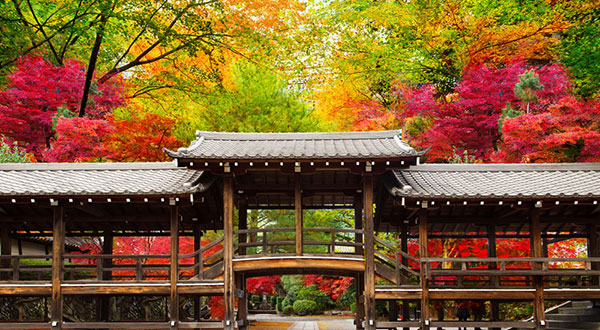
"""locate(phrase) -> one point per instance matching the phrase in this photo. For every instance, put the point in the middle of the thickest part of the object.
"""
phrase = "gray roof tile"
(89, 179)
(497, 181)
(297, 146)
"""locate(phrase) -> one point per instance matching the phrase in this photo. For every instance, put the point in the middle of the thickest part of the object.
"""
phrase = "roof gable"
(296, 146)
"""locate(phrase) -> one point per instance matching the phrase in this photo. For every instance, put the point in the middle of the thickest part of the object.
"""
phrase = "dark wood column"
(242, 224)
(404, 279)
(358, 224)
(535, 232)
(404, 261)
(174, 271)
(103, 302)
(359, 316)
(197, 259)
(423, 253)
(229, 298)
(242, 316)
(58, 251)
(5, 250)
(298, 213)
(592, 250)
(494, 280)
(369, 253)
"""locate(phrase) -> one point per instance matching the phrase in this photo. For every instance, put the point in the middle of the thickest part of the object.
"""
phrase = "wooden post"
(103, 302)
(404, 248)
(58, 251)
(359, 316)
(370, 318)
(424, 284)
(5, 250)
(298, 213)
(174, 269)
(535, 232)
(197, 260)
(494, 280)
(358, 224)
(592, 251)
(243, 224)
(242, 302)
(229, 297)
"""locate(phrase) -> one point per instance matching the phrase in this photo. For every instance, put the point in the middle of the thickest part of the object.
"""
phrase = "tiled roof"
(296, 146)
(497, 181)
(90, 179)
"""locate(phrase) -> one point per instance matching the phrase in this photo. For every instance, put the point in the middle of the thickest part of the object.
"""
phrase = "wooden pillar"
(358, 224)
(592, 251)
(229, 297)
(242, 224)
(424, 284)
(298, 213)
(242, 302)
(174, 270)
(535, 233)
(404, 248)
(494, 280)
(370, 314)
(197, 259)
(103, 302)
(58, 251)
(359, 316)
(5, 250)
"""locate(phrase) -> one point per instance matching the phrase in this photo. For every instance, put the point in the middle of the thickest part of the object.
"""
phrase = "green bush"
(347, 298)
(305, 307)
(288, 310)
(279, 305)
(353, 307)
(313, 293)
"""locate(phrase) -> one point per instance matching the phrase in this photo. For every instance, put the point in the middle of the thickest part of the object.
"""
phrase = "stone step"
(574, 317)
(557, 324)
(578, 310)
(582, 303)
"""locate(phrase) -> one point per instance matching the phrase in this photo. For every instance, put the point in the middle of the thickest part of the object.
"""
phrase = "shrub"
(288, 310)
(305, 307)
(313, 293)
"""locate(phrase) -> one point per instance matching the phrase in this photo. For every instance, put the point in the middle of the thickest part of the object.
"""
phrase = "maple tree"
(37, 90)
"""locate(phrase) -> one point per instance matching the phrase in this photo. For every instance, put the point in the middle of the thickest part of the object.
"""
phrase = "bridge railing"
(281, 241)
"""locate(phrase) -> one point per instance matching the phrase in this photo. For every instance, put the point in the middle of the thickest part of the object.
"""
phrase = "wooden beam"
(174, 268)
(424, 284)
(58, 250)
(242, 302)
(5, 249)
(404, 248)
(358, 224)
(103, 303)
(242, 224)
(494, 280)
(298, 213)
(536, 252)
(592, 250)
(197, 259)
(229, 298)
(359, 316)
(371, 316)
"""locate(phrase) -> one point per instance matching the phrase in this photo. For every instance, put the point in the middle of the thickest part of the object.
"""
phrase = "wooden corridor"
(215, 183)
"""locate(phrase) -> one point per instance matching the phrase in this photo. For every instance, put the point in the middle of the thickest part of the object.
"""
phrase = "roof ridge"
(89, 166)
(211, 135)
(505, 167)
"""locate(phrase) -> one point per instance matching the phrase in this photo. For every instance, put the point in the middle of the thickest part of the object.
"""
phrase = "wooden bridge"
(216, 182)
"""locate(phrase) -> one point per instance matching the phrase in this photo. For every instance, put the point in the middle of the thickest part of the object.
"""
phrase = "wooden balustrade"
(338, 237)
